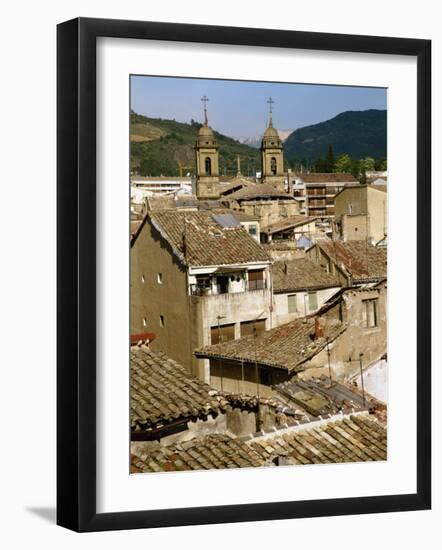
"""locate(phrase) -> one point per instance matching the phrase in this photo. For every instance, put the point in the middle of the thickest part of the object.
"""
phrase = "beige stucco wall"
(377, 209)
(356, 196)
(280, 307)
(365, 201)
(372, 342)
(232, 308)
(355, 227)
(150, 255)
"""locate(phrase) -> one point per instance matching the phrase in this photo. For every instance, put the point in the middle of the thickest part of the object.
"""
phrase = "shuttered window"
(370, 313)
(292, 306)
(247, 327)
(312, 301)
(256, 279)
(222, 334)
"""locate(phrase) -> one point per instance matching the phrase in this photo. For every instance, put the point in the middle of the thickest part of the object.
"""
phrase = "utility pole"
(362, 378)
(258, 415)
(220, 341)
(329, 367)
(258, 412)
(350, 360)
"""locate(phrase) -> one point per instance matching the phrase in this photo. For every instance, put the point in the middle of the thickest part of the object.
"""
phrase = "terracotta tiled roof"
(327, 177)
(235, 183)
(257, 191)
(162, 391)
(300, 274)
(361, 260)
(199, 240)
(286, 347)
(318, 397)
(357, 438)
(287, 223)
(354, 438)
(161, 202)
(215, 451)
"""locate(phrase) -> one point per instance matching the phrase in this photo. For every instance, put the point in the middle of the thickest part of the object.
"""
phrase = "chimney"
(319, 333)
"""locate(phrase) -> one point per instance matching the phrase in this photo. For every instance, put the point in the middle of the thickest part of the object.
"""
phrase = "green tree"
(329, 159)
(344, 164)
(367, 164)
(320, 165)
(381, 165)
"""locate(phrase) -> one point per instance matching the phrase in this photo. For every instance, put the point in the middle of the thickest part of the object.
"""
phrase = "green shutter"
(292, 303)
(312, 301)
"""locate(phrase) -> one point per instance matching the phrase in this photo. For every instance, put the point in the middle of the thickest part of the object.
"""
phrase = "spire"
(238, 166)
(270, 102)
(205, 99)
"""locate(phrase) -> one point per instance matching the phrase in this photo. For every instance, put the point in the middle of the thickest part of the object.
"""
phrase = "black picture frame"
(76, 274)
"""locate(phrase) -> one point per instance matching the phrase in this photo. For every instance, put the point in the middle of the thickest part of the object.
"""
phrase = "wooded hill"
(358, 134)
(166, 147)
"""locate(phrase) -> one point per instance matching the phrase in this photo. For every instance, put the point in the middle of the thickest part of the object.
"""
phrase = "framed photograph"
(243, 274)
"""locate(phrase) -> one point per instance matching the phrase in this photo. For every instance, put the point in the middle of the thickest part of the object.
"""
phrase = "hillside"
(357, 133)
(160, 147)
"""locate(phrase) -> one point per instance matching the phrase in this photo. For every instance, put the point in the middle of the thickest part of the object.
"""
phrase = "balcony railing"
(217, 290)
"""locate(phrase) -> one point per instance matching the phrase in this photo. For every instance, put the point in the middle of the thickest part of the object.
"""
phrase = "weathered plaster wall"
(345, 350)
(280, 307)
(150, 255)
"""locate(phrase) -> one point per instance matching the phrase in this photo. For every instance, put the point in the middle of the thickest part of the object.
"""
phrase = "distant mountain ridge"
(255, 141)
(357, 133)
(166, 147)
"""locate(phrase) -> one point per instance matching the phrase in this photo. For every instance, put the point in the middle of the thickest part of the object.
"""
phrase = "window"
(312, 301)
(223, 333)
(142, 279)
(370, 312)
(265, 377)
(160, 278)
(273, 166)
(161, 320)
(253, 230)
(203, 285)
(256, 280)
(208, 166)
(144, 322)
(247, 327)
(292, 303)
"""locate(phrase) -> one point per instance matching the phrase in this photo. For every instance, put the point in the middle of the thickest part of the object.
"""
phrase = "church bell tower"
(272, 157)
(207, 165)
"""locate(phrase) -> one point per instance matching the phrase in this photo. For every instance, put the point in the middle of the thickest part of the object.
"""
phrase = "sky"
(239, 108)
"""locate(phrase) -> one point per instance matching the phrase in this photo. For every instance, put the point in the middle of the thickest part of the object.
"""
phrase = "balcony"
(218, 289)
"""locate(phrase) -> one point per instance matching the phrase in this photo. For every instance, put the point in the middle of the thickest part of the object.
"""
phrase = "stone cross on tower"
(205, 100)
(270, 102)
(206, 161)
(272, 157)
